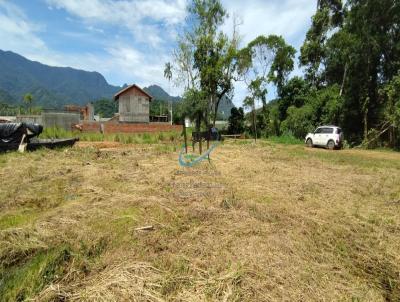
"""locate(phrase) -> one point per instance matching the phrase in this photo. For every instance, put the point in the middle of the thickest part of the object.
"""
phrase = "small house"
(133, 105)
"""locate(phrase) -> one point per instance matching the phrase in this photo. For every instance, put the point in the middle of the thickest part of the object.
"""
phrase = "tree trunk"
(365, 125)
(344, 79)
(216, 111)
(198, 122)
(254, 122)
(391, 137)
(365, 117)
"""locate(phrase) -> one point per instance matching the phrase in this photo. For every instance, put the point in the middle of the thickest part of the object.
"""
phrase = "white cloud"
(289, 18)
(16, 32)
(143, 19)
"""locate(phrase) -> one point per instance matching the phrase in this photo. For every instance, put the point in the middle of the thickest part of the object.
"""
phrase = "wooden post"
(185, 136)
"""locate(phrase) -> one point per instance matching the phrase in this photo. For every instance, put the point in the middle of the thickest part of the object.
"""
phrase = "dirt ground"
(262, 222)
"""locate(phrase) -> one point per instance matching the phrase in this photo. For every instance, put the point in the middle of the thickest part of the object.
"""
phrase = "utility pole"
(171, 113)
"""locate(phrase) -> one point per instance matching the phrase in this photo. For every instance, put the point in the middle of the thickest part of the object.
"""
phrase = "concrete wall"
(29, 119)
(64, 120)
(60, 120)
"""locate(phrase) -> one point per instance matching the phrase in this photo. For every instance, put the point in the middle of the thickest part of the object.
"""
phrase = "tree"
(299, 121)
(249, 103)
(205, 57)
(328, 16)
(293, 93)
(168, 76)
(168, 71)
(264, 60)
(236, 121)
(392, 110)
(105, 108)
(28, 100)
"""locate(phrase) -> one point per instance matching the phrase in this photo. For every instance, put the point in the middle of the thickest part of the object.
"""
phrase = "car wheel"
(331, 145)
(309, 143)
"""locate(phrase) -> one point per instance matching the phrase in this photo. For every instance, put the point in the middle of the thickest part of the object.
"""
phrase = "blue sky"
(129, 41)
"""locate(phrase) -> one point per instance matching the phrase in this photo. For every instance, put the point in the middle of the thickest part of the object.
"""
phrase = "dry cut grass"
(264, 222)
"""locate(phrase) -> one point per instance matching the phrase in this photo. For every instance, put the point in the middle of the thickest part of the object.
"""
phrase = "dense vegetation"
(350, 61)
(351, 57)
(105, 108)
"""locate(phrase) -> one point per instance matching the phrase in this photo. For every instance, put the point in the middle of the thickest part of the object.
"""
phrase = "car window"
(327, 130)
(338, 131)
(319, 130)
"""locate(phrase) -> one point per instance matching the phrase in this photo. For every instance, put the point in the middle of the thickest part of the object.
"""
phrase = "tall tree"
(264, 60)
(392, 110)
(168, 76)
(206, 56)
(328, 16)
(236, 121)
(362, 57)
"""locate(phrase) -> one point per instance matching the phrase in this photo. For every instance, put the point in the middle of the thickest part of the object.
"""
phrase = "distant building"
(133, 105)
(87, 112)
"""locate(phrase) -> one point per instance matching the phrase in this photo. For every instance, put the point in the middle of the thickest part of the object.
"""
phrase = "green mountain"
(6, 98)
(51, 87)
(224, 108)
(160, 94)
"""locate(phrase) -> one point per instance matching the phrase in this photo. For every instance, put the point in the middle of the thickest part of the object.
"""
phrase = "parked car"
(330, 137)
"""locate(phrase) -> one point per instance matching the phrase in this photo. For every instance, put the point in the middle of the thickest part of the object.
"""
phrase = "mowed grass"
(261, 222)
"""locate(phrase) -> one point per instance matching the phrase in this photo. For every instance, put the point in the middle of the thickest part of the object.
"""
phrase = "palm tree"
(168, 76)
(168, 71)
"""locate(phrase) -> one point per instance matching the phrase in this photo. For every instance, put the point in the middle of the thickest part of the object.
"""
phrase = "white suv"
(325, 136)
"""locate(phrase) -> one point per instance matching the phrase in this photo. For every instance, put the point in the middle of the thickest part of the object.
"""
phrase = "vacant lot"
(263, 222)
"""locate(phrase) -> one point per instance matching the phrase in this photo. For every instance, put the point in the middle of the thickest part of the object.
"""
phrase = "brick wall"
(111, 127)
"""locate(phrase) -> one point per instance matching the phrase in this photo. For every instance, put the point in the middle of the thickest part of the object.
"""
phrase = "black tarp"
(13, 132)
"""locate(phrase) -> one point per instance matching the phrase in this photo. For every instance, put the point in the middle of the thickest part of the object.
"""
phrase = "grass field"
(264, 222)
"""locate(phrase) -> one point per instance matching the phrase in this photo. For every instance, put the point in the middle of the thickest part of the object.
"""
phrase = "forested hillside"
(51, 87)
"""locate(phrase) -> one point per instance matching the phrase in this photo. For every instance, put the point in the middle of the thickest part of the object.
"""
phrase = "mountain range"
(54, 87)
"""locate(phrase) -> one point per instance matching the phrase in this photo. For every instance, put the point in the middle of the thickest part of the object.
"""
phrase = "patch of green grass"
(11, 220)
(118, 228)
(56, 132)
(3, 161)
(125, 138)
(23, 282)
